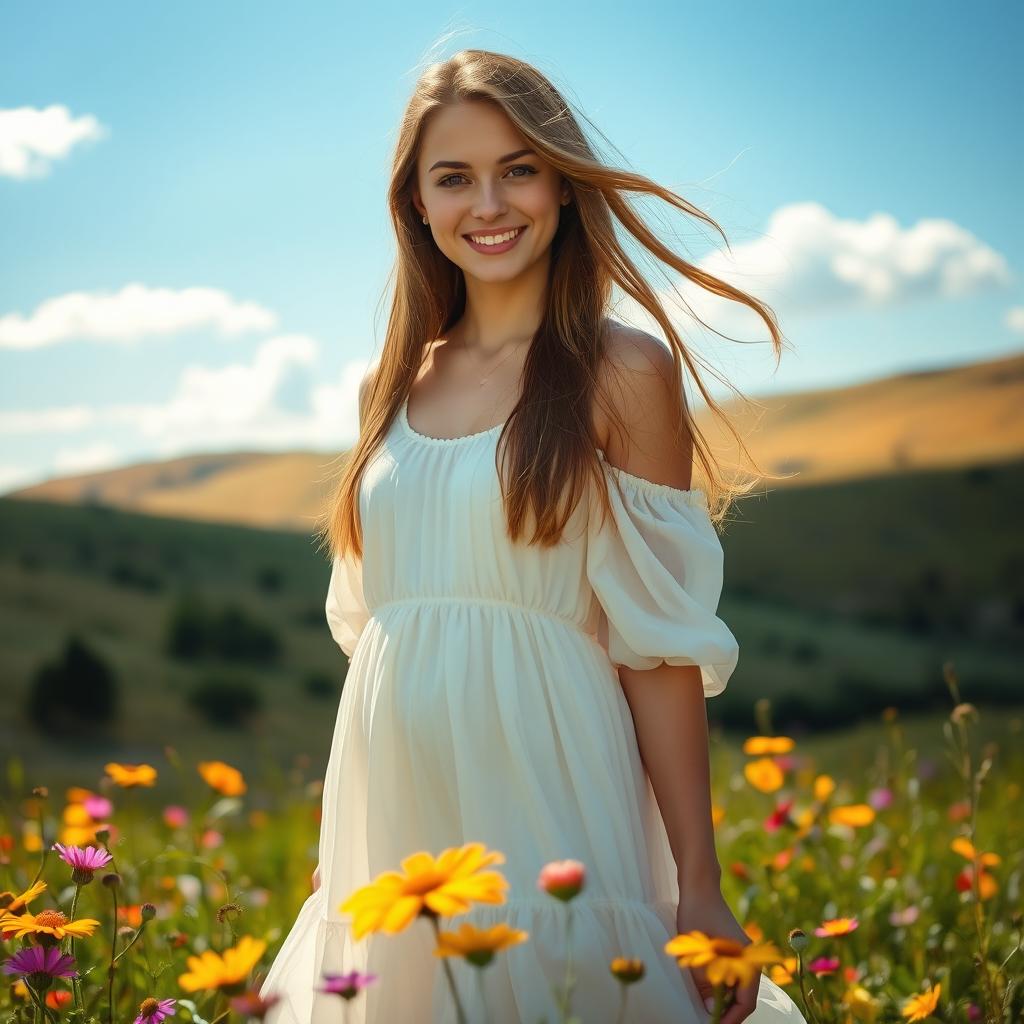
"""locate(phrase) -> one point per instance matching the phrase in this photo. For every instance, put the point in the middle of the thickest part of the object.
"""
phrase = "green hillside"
(844, 598)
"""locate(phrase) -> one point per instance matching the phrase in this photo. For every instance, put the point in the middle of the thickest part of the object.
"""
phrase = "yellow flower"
(852, 814)
(47, 922)
(478, 945)
(862, 1004)
(724, 960)
(222, 777)
(922, 1005)
(445, 886)
(767, 745)
(782, 974)
(764, 774)
(627, 970)
(824, 787)
(965, 848)
(13, 904)
(212, 970)
(131, 774)
(717, 815)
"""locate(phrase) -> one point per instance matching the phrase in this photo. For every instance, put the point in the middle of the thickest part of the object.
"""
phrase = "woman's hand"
(316, 878)
(709, 913)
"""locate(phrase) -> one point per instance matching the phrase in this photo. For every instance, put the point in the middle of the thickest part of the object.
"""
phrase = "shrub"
(78, 689)
(226, 701)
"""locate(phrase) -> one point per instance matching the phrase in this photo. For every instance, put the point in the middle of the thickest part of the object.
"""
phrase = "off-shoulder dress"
(482, 703)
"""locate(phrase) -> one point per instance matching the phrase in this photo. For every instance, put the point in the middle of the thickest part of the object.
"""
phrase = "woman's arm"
(667, 702)
(669, 714)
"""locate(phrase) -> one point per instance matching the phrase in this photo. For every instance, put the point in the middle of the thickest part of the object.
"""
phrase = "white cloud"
(87, 459)
(132, 313)
(56, 420)
(240, 405)
(14, 477)
(809, 261)
(1015, 319)
(31, 139)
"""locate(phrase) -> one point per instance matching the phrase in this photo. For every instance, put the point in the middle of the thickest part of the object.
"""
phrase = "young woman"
(525, 584)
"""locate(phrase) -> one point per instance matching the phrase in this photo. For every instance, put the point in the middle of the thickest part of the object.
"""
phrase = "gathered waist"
(512, 607)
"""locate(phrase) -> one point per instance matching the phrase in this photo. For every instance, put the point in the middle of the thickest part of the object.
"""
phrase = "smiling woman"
(491, 626)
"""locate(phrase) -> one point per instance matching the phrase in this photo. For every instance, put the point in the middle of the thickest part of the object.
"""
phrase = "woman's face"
(494, 188)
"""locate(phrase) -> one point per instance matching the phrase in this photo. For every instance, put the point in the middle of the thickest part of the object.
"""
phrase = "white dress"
(482, 704)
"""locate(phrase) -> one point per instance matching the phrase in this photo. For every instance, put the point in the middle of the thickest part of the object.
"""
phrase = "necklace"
(484, 380)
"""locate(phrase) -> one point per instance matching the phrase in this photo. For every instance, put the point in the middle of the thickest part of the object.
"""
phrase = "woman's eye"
(446, 181)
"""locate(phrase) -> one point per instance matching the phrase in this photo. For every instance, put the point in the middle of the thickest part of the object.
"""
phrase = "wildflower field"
(890, 892)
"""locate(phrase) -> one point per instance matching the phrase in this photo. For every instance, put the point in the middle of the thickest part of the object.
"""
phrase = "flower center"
(149, 1007)
(51, 918)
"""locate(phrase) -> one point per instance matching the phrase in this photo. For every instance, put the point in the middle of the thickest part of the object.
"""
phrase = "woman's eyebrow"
(459, 165)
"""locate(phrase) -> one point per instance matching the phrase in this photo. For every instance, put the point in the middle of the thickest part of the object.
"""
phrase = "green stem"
(459, 1011)
(113, 961)
(621, 1018)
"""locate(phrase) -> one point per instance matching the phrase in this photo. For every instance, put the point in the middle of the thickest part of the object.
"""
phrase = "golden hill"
(947, 418)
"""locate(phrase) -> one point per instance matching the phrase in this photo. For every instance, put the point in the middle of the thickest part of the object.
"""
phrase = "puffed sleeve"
(346, 609)
(656, 566)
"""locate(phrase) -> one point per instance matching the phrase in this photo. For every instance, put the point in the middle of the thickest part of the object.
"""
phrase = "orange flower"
(923, 1005)
(855, 815)
(478, 945)
(824, 787)
(762, 745)
(222, 777)
(627, 969)
(965, 848)
(764, 774)
(127, 775)
(836, 926)
(15, 903)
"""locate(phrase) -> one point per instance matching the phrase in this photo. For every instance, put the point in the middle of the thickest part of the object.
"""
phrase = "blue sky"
(221, 169)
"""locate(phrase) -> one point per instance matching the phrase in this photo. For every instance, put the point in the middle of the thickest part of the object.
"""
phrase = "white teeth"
(495, 239)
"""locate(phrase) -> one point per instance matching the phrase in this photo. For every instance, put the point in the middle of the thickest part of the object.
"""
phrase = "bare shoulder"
(638, 379)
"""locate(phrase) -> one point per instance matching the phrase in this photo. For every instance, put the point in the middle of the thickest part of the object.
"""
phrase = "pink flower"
(904, 917)
(83, 860)
(98, 807)
(175, 816)
(154, 1011)
(562, 879)
(824, 965)
(212, 839)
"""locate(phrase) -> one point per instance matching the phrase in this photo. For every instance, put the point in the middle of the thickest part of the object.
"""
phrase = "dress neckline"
(403, 416)
(692, 496)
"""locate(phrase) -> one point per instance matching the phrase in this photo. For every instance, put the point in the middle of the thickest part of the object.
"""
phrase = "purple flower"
(84, 860)
(880, 798)
(39, 965)
(252, 1004)
(153, 1011)
(99, 808)
(346, 985)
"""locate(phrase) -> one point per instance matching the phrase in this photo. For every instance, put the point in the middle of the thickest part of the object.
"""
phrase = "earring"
(424, 220)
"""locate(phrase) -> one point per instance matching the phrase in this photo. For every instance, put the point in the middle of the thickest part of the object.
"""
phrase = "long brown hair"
(548, 438)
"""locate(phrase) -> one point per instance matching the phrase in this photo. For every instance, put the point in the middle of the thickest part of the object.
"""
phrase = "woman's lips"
(494, 250)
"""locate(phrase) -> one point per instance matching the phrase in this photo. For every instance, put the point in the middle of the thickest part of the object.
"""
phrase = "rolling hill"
(926, 420)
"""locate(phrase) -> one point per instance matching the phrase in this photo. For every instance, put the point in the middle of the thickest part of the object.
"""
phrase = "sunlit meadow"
(160, 892)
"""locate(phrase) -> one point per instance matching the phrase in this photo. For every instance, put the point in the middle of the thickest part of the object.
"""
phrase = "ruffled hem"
(518, 986)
